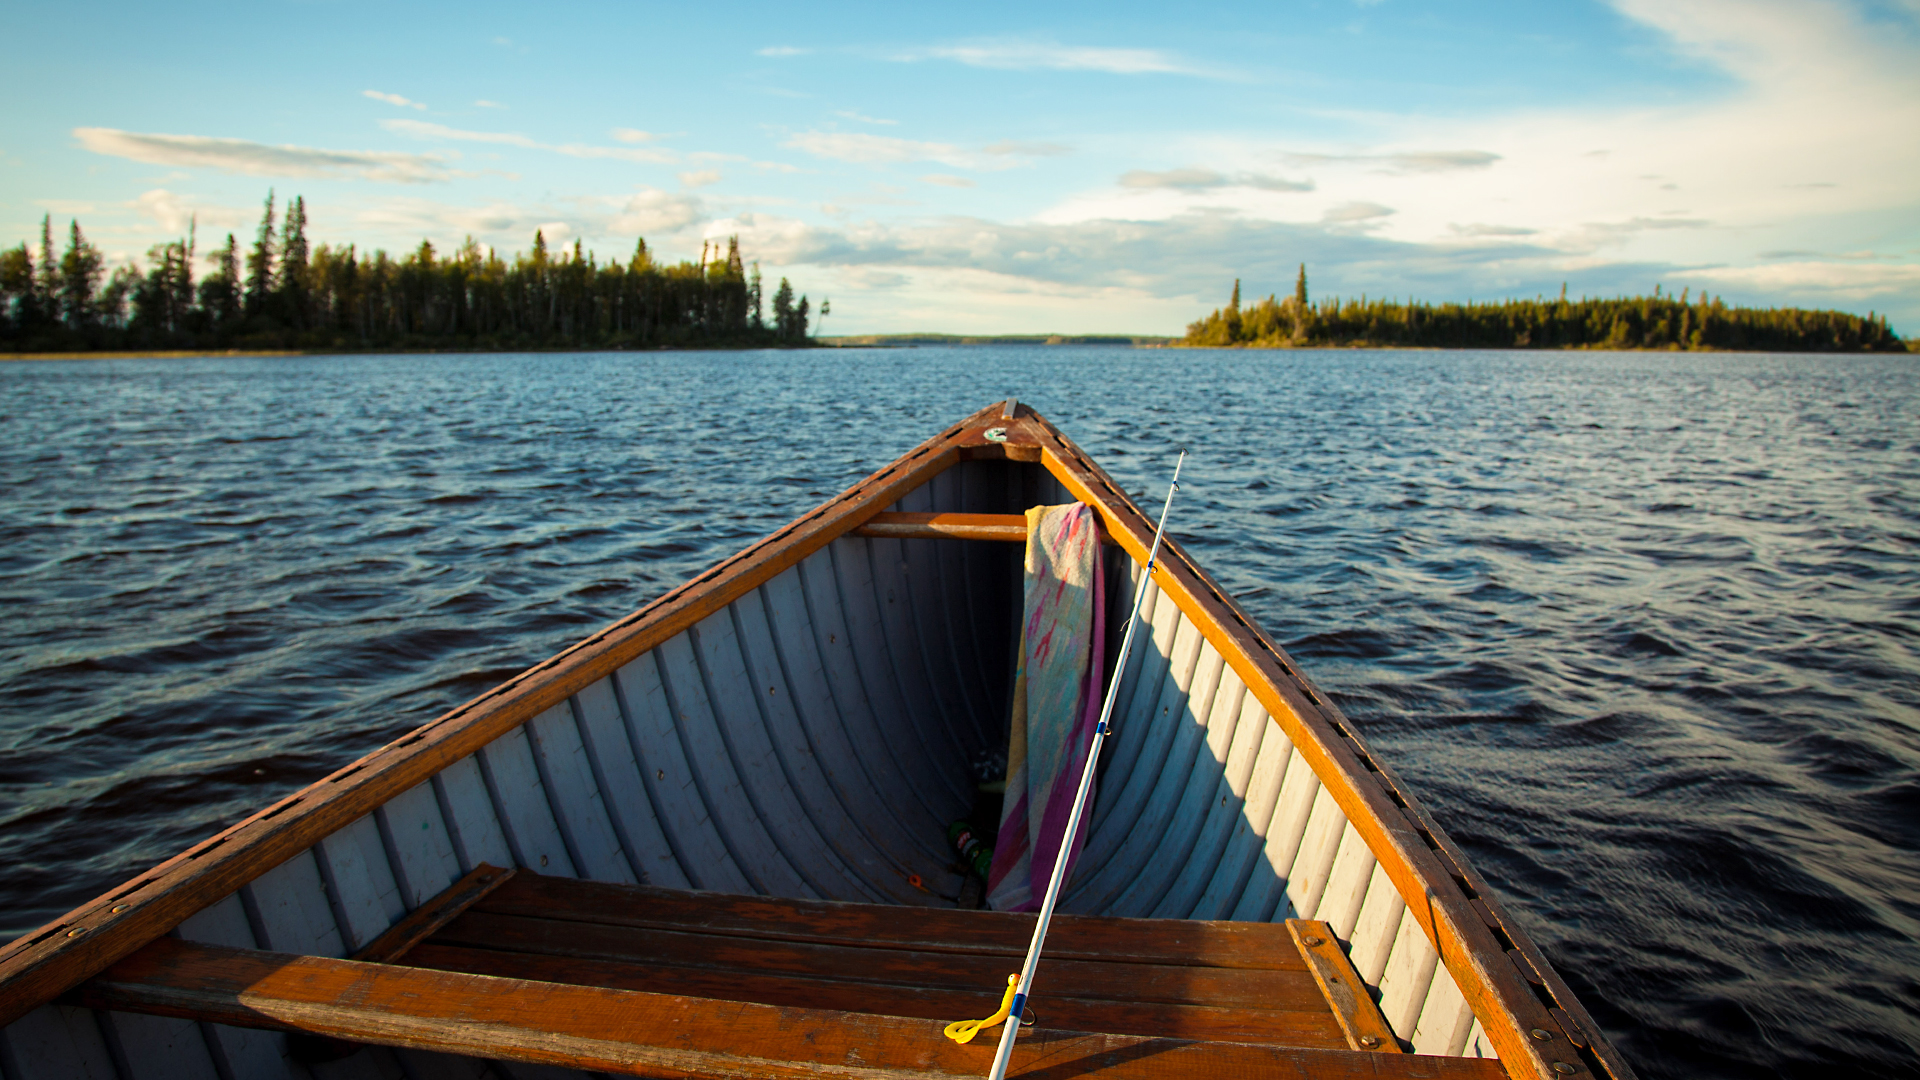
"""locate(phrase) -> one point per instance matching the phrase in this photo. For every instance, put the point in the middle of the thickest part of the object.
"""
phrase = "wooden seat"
(659, 982)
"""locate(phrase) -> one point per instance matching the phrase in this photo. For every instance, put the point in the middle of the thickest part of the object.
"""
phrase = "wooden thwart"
(659, 1034)
(1009, 528)
(1360, 1019)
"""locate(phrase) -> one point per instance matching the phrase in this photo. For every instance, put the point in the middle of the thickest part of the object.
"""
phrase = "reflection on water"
(1641, 628)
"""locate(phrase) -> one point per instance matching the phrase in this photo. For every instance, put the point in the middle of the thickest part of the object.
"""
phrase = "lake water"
(1640, 628)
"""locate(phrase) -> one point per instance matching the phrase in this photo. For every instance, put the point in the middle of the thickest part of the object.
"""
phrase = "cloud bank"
(260, 159)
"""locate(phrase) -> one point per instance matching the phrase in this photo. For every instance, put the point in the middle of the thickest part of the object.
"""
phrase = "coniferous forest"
(1632, 322)
(282, 293)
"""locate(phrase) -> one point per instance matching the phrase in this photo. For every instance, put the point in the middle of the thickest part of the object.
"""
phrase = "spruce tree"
(783, 310)
(80, 273)
(260, 263)
(1300, 289)
(294, 257)
(753, 298)
(220, 290)
(47, 281)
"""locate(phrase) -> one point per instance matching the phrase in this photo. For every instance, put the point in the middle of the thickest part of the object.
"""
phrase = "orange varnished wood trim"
(1360, 1019)
(1009, 528)
(1422, 862)
(40, 965)
(663, 1034)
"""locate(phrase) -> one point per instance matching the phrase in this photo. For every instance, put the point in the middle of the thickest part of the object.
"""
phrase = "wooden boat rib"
(794, 725)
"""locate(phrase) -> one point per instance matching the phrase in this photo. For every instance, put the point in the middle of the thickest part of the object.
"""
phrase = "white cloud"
(782, 50)
(426, 130)
(944, 180)
(633, 135)
(1417, 161)
(652, 211)
(174, 213)
(851, 115)
(259, 159)
(1484, 230)
(392, 99)
(1203, 179)
(1348, 213)
(485, 104)
(1045, 55)
(699, 179)
(1593, 235)
(1850, 279)
(862, 149)
(869, 278)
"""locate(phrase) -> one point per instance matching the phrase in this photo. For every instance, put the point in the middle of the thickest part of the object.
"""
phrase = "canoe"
(709, 840)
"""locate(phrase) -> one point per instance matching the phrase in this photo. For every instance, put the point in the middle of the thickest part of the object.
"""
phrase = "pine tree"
(826, 309)
(1300, 289)
(783, 310)
(47, 281)
(800, 320)
(753, 299)
(220, 290)
(260, 263)
(294, 257)
(80, 273)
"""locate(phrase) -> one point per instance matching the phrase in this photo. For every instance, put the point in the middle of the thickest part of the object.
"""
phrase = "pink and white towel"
(1056, 702)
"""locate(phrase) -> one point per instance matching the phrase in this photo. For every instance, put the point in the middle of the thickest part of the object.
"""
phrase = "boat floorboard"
(1243, 982)
(657, 982)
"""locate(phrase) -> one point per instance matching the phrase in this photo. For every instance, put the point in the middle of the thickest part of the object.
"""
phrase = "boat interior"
(726, 853)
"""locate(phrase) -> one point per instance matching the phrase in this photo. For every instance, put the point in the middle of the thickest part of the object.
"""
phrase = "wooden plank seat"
(649, 981)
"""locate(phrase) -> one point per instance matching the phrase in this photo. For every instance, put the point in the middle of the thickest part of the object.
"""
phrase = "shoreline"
(200, 354)
(196, 354)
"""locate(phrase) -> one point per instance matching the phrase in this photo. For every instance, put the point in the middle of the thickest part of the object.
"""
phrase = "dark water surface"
(1642, 629)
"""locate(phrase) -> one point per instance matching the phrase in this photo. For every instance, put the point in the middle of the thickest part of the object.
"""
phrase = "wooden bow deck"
(657, 982)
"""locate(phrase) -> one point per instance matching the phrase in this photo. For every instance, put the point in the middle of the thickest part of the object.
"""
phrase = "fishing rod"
(1024, 988)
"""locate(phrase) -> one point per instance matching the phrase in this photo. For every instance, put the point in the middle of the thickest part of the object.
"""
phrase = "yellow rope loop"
(963, 1031)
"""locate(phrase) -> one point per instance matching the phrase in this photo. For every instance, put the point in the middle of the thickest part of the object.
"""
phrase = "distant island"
(291, 296)
(1628, 322)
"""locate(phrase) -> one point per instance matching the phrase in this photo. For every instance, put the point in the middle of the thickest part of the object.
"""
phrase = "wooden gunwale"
(1482, 947)
(1479, 943)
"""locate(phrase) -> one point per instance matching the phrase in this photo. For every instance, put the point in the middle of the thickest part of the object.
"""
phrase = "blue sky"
(1016, 168)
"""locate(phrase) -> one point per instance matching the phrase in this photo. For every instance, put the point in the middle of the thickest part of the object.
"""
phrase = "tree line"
(281, 292)
(1629, 322)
